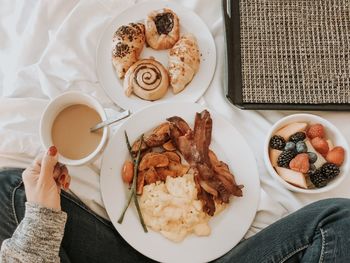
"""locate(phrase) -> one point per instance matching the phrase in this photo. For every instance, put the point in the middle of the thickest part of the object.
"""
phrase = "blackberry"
(277, 142)
(297, 137)
(312, 168)
(317, 178)
(330, 170)
(285, 158)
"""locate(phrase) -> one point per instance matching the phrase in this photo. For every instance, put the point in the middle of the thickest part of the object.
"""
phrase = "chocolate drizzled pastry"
(164, 23)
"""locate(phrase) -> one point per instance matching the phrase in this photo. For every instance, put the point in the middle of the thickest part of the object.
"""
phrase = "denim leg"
(87, 237)
(10, 182)
(319, 232)
(90, 238)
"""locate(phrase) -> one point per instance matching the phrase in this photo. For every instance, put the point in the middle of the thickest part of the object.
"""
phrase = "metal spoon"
(120, 116)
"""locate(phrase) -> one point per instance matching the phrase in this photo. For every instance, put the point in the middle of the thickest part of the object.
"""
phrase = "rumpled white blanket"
(48, 47)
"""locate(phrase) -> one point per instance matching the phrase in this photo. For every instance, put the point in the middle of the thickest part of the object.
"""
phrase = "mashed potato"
(172, 208)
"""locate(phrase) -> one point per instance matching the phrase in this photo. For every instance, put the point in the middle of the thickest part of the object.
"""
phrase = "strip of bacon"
(213, 178)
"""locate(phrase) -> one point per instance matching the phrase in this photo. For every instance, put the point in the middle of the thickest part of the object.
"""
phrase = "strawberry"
(315, 130)
(336, 155)
(320, 145)
(300, 163)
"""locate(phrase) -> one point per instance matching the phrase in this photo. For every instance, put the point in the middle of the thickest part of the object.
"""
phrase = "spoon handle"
(120, 116)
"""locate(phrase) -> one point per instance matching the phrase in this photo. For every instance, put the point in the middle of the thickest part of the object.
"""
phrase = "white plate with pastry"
(161, 37)
(227, 227)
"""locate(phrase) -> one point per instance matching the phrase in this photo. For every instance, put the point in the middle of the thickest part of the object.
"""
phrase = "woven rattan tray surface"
(290, 52)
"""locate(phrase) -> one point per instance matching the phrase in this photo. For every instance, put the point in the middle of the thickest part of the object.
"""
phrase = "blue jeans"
(319, 232)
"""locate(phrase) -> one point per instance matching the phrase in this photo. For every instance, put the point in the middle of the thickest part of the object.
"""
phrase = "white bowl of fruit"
(306, 154)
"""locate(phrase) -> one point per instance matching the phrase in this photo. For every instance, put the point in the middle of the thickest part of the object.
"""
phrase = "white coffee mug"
(55, 107)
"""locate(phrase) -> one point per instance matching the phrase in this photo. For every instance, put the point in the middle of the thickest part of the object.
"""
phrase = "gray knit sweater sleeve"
(37, 238)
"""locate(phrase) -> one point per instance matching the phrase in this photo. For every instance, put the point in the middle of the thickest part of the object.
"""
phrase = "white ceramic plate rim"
(228, 228)
(195, 89)
(330, 129)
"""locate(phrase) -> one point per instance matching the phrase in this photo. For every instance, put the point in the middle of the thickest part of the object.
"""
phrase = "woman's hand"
(43, 180)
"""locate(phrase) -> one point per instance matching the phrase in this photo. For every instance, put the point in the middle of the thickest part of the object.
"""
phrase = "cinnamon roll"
(147, 79)
(162, 29)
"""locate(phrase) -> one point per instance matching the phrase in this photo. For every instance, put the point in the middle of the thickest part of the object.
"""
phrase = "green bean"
(134, 183)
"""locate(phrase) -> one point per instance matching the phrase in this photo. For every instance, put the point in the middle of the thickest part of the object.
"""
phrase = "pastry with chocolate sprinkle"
(127, 45)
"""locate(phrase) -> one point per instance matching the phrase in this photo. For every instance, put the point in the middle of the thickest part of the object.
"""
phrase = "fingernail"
(52, 151)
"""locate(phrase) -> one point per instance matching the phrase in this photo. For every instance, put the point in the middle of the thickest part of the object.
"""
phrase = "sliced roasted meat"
(180, 123)
(178, 128)
(179, 168)
(169, 146)
(140, 182)
(153, 159)
(173, 156)
(151, 176)
(159, 135)
(164, 172)
(136, 145)
(188, 149)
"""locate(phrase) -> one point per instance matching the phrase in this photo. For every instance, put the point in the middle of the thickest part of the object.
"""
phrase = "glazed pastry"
(128, 42)
(162, 29)
(148, 79)
(184, 60)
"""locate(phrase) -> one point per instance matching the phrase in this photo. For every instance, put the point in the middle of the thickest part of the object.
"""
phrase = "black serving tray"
(233, 69)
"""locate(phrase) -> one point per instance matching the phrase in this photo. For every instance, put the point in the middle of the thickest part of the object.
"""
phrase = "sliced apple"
(290, 129)
(330, 144)
(292, 177)
(320, 159)
(274, 156)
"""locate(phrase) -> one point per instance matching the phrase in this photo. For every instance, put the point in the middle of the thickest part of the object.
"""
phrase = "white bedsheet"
(48, 47)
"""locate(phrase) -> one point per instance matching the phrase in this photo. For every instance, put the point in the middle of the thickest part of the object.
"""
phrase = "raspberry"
(336, 156)
(300, 163)
(316, 130)
(320, 145)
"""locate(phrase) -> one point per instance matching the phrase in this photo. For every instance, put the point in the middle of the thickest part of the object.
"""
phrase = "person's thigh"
(319, 232)
(10, 182)
(90, 238)
(87, 237)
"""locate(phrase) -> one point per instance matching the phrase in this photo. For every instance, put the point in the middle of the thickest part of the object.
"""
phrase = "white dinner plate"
(189, 22)
(228, 228)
